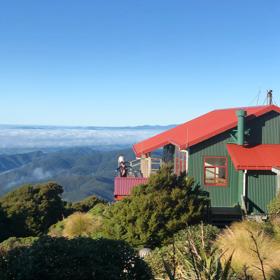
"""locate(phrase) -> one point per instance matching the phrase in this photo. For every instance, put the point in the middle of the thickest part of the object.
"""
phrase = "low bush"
(82, 206)
(100, 209)
(14, 242)
(208, 232)
(56, 230)
(82, 258)
(175, 260)
(4, 232)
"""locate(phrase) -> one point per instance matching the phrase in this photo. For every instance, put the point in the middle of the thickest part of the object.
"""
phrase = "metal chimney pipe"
(241, 114)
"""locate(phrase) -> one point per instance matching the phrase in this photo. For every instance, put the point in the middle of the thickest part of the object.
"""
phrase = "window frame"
(215, 166)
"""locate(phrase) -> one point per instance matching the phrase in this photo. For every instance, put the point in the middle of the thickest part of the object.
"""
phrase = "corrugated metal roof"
(260, 157)
(124, 185)
(200, 129)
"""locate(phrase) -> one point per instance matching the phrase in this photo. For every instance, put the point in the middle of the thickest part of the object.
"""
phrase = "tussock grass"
(80, 224)
(275, 222)
(254, 252)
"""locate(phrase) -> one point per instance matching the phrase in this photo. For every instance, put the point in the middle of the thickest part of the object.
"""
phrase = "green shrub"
(100, 209)
(14, 242)
(175, 257)
(209, 232)
(4, 233)
(31, 210)
(56, 230)
(100, 214)
(154, 212)
(82, 206)
(82, 258)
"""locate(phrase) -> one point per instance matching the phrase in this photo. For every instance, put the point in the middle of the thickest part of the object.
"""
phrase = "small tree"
(31, 210)
(154, 212)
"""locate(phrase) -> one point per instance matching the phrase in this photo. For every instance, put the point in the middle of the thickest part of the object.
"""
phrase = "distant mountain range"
(81, 171)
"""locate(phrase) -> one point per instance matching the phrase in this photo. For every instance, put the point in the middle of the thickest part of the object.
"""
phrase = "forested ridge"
(81, 171)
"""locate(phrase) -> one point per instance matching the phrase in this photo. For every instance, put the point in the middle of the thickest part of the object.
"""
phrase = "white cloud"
(40, 174)
(47, 137)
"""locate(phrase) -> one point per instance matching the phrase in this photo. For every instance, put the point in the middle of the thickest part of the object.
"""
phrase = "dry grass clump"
(275, 222)
(80, 224)
(254, 252)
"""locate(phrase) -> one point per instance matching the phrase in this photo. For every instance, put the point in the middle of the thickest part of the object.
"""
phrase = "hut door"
(261, 190)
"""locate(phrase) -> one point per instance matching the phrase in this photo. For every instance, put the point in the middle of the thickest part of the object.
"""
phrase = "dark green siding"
(220, 196)
(261, 190)
(263, 130)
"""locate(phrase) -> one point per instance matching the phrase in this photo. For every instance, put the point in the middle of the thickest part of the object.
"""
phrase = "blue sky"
(118, 63)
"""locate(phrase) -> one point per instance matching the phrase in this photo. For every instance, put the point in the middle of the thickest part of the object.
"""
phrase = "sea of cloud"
(35, 137)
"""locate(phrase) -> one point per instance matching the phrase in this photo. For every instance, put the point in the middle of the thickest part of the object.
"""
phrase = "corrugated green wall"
(266, 130)
(262, 184)
(261, 190)
(224, 196)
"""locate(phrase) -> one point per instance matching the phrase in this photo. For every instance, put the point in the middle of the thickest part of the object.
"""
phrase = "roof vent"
(269, 97)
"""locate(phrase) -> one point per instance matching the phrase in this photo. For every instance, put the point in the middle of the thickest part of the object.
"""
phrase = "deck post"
(240, 187)
(145, 166)
(277, 172)
(244, 194)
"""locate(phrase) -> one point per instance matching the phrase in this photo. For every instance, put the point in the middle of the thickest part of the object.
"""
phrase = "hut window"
(215, 171)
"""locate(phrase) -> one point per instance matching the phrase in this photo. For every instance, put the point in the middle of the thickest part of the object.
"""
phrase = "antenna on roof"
(269, 97)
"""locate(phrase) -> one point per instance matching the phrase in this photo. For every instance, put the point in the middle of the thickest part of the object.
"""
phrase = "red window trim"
(220, 166)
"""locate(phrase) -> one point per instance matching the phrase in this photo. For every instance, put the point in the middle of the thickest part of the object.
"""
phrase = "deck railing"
(146, 166)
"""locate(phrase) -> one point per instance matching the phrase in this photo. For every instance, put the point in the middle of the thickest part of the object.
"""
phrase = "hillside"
(81, 171)
(8, 162)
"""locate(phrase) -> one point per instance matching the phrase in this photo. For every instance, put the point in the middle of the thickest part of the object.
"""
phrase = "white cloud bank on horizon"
(49, 137)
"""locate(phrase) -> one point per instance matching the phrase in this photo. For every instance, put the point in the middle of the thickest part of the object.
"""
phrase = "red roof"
(124, 185)
(199, 129)
(261, 157)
